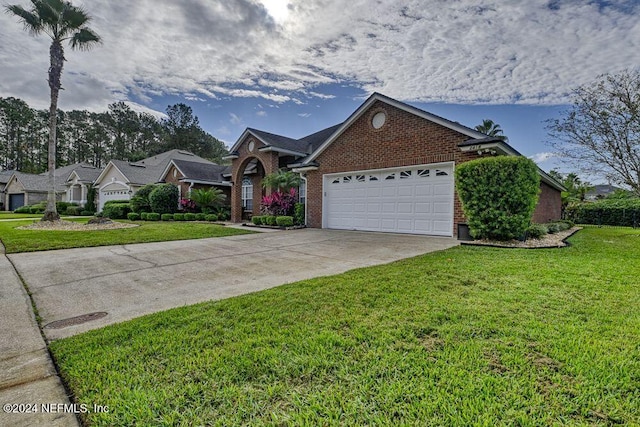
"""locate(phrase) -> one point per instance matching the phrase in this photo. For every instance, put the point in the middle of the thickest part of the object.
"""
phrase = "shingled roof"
(204, 172)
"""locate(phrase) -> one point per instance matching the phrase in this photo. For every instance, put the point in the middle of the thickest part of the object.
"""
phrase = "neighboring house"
(120, 179)
(188, 175)
(601, 191)
(28, 189)
(78, 183)
(389, 168)
(4, 179)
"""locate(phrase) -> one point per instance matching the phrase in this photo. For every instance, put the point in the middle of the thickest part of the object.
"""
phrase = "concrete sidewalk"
(27, 374)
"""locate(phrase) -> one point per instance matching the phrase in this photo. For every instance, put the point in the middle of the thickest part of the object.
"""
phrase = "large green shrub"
(620, 212)
(132, 216)
(166, 217)
(498, 195)
(189, 216)
(154, 216)
(256, 220)
(178, 217)
(116, 210)
(164, 199)
(211, 217)
(144, 216)
(140, 200)
(207, 198)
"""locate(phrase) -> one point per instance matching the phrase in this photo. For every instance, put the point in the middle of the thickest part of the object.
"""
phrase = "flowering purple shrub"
(187, 205)
(279, 203)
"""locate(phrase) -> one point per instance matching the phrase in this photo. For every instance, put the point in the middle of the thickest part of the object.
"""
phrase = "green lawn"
(11, 215)
(466, 336)
(16, 240)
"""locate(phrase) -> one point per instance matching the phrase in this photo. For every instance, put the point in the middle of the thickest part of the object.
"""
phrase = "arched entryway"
(247, 189)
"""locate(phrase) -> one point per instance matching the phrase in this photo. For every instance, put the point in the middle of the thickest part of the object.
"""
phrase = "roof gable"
(339, 130)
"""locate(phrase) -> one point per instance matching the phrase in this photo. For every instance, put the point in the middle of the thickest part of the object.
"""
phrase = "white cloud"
(261, 113)
(543, 157)
(304, 115)
(521, 51)
(235, 119)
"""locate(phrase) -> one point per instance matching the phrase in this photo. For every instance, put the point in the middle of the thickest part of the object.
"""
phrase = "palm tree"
(207, 198)
(281, 180)
(61, 21)
(488, 127)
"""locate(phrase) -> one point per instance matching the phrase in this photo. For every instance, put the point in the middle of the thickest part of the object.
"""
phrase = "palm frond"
(74, 17)
(32, 22)
(84, 39)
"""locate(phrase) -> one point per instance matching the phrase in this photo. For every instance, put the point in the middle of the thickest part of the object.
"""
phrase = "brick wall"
(549, 206)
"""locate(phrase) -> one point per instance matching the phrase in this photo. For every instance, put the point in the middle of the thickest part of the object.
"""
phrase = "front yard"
(466, 336)
(16, 240)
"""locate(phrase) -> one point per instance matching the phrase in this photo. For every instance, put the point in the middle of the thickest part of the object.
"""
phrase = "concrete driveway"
(133, 280)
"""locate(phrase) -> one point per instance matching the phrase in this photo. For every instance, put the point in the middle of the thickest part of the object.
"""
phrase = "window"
(373, 178)
(441, 173)
(390, 177)
(423, 173)
(360, 178)
(405, 174)
(247, 194)
(336, 181)
(302, 192)
(346, 179)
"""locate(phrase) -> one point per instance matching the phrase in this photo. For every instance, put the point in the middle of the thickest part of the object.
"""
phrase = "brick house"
(188, 175)
(388, 168)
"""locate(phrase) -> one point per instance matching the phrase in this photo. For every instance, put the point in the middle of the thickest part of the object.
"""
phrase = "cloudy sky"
(296, 66)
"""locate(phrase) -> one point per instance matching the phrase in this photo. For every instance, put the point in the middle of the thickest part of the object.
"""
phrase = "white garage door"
(416, 200)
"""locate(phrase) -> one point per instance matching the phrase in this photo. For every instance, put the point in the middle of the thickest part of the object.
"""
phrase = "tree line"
(96, 138)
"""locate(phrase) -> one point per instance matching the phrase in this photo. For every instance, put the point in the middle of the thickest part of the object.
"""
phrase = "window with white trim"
(302, 192)
(247, 194)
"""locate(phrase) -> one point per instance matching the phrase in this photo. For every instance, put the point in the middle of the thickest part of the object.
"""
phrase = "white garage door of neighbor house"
(415, 200)
(107, 195)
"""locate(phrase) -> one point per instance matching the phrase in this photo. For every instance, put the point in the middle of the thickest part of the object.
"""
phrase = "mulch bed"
(556, 240)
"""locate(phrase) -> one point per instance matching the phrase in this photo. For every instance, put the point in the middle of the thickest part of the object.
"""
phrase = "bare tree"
(600, 133)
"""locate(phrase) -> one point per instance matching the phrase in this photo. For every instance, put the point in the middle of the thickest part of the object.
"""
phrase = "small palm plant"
(281, 181)
(207, 198)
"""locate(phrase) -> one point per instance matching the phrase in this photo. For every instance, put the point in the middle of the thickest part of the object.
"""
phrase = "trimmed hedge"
(178, 217)
(144, 216)
(189, 217)
(154, 216)
(23, 209)
(269, 220)
(617, 212)
(256, 220)
(498, 195)
(87, 213)
(132, 216)
(166, 217)
(284, 221)
(73, 210)
(211, 217)
(115, 202)
(116, 210)
(200, 216)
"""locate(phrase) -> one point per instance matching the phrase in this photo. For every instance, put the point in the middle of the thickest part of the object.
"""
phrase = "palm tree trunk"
(56, 53)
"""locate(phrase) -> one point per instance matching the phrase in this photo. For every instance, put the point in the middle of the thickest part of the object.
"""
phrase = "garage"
(415, 200)
(16, 201)
(112, 191)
